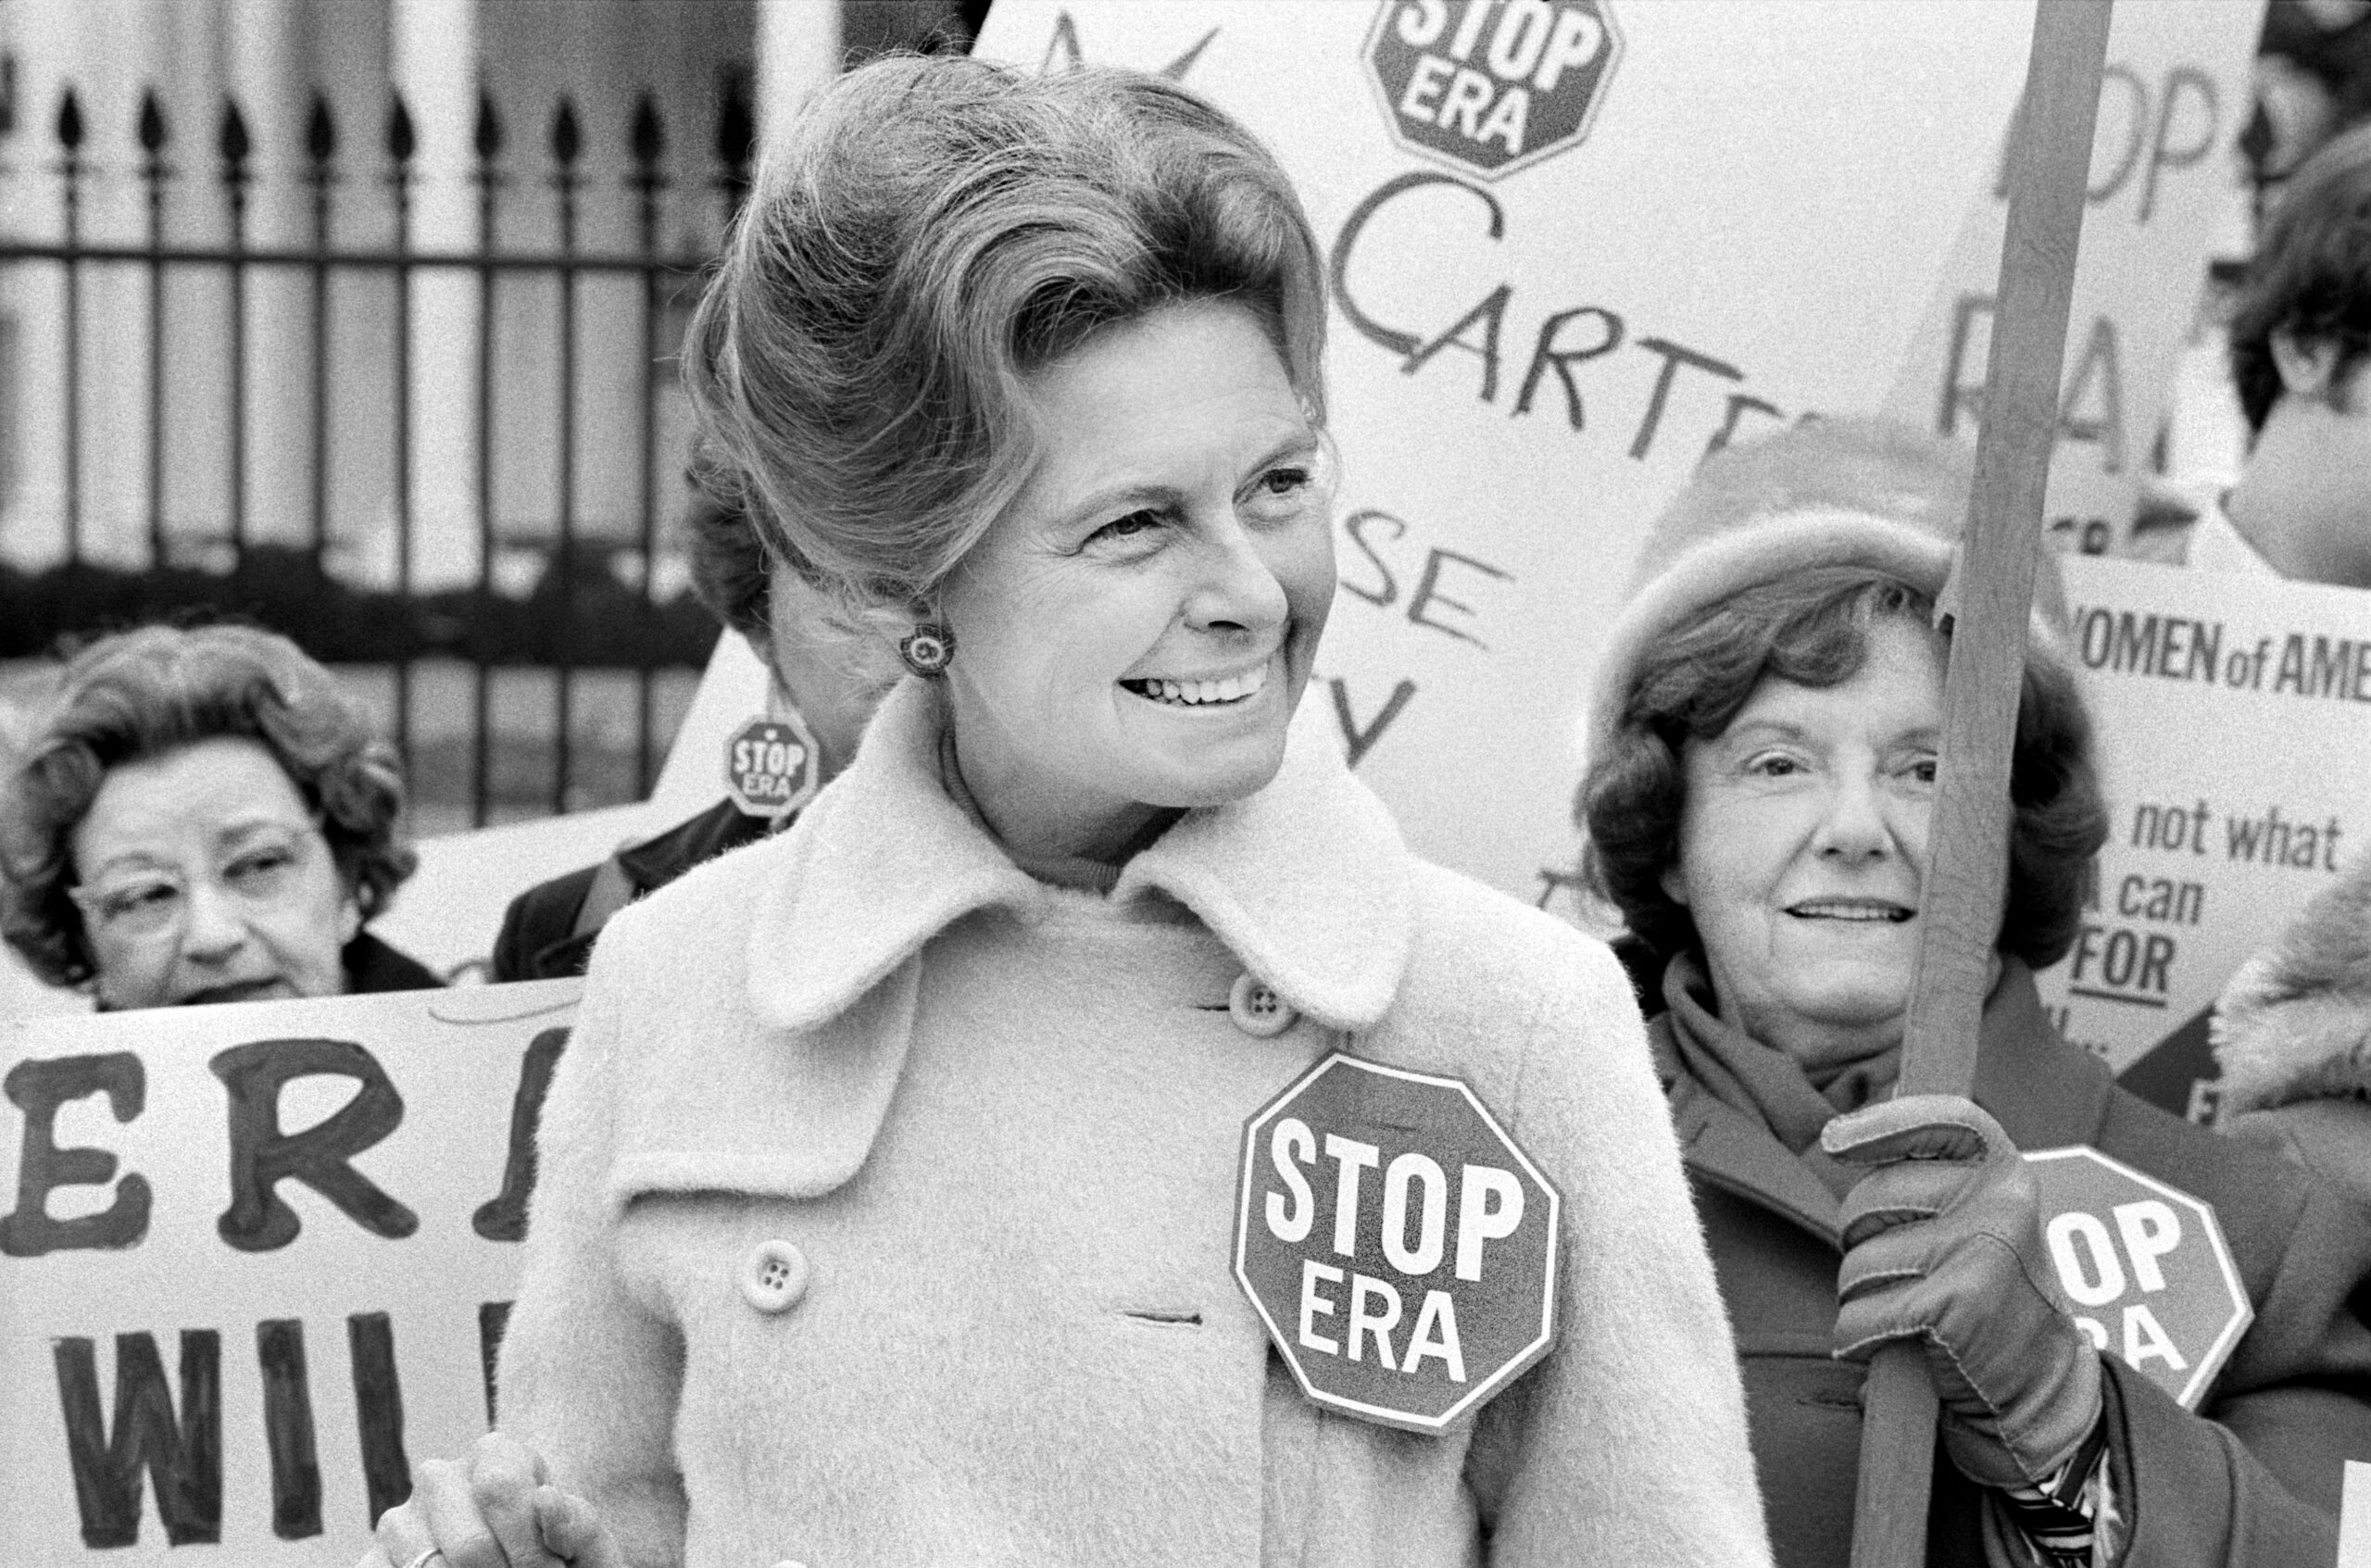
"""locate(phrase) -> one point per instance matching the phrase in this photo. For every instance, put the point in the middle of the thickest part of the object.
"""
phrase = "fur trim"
(2295, 1023)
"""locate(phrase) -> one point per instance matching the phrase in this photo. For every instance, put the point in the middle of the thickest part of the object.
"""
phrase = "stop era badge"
(1399, 1247)
(771, 766)
(2145, 1265)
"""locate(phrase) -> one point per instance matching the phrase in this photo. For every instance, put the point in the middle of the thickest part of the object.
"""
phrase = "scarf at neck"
(1764, 1083)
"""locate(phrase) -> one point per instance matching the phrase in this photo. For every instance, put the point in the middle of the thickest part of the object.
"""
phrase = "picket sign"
(253, 1265)
(2232, 716)
(1743, 223)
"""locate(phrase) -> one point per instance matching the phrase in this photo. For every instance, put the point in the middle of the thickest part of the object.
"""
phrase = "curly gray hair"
(151, 691)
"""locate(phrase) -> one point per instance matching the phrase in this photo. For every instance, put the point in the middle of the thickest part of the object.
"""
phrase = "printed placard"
(2233, 715)
(1399, 1247)
(255, 1264)
(2146, 1267)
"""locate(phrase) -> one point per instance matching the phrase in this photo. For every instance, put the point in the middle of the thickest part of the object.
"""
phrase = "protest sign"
(1529, 354)
(772, 767)
(1399, 1247)
(2175, 96)
(2146, 1267)
(254, 1264)
(2233, 715)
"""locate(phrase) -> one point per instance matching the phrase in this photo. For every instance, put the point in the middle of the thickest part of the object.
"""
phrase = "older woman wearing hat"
(1762, 756)
(889, 1182)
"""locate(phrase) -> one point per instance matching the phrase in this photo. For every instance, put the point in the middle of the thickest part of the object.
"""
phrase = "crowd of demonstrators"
(200, 816)
(1027, 367)
(813, 666)
(1763, 747)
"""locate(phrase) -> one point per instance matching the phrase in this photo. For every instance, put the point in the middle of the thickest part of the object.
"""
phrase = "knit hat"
(1828, 492)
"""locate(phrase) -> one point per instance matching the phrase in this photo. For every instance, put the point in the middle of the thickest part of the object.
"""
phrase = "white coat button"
(1257, 1010)
(774, 1277)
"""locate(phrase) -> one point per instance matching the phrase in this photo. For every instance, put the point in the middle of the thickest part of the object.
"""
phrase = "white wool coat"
(1001, 1121)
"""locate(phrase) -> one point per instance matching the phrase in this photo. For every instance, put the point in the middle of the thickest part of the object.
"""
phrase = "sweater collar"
(1305, 881)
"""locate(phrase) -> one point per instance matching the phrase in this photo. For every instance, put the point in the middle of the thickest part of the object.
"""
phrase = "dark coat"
(2257, 1485)
(371, 965)
(544, 934)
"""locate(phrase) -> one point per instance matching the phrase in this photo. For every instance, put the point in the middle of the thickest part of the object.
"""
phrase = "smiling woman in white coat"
(889, 1180)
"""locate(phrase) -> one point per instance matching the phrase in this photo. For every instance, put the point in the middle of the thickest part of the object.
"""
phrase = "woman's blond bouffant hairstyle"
(934, 231)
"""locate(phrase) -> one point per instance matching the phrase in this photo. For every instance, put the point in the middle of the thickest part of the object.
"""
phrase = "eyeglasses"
(153, 901)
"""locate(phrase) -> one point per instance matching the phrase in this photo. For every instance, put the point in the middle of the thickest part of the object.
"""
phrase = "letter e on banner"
(1398, 1245)
(2146, 1267)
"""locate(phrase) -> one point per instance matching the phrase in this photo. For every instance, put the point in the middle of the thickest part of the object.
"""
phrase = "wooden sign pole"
(1968, 842)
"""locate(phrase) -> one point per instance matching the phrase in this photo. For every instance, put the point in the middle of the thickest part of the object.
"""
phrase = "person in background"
(202, 816)
(886, 1189)
(1762, 762)
(547, 932)
(2299, 341)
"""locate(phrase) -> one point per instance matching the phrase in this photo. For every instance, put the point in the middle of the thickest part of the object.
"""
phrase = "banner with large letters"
(255, 1264)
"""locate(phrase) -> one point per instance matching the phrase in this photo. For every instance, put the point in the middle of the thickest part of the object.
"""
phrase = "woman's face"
(1137, 627)
(1803, 845)
(203, 878)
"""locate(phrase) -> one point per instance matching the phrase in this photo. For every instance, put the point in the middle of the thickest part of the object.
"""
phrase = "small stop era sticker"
(1399, 1247)
(771, 766)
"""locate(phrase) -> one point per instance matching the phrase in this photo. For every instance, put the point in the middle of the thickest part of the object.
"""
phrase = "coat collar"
(1305, 881)
(2045, 1093)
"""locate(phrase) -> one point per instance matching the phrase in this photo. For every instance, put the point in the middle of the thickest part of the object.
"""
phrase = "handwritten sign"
(1525, 361)
(1399, 1247)
(256, 1258)
(2233, 716)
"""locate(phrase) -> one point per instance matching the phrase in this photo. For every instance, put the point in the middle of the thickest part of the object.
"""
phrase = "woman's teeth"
(1190, 693)
(1829, 909)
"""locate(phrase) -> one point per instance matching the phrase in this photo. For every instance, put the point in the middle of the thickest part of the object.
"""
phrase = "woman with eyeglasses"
(203, 817)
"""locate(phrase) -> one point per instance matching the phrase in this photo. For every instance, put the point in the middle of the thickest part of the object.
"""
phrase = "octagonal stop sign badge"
(771, 766)
(1399, 1247)
(1491, 86)
(2146, 1267)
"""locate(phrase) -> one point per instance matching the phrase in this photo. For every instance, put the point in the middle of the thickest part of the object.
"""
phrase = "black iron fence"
(424, 421)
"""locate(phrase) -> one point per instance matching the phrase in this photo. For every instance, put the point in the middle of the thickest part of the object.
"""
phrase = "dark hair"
(1813, 627)
(151, 691)
(932, 233)
(2310, 278)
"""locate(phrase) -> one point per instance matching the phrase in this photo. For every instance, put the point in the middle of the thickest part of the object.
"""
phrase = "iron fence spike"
(649, 136)
(70, 121)
(154, 132)
(402, 140)
(321, 130)
(487, 136)
(234, 143)
(568, 137)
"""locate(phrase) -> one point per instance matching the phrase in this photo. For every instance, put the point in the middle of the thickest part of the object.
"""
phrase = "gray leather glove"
(1943, 1243)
